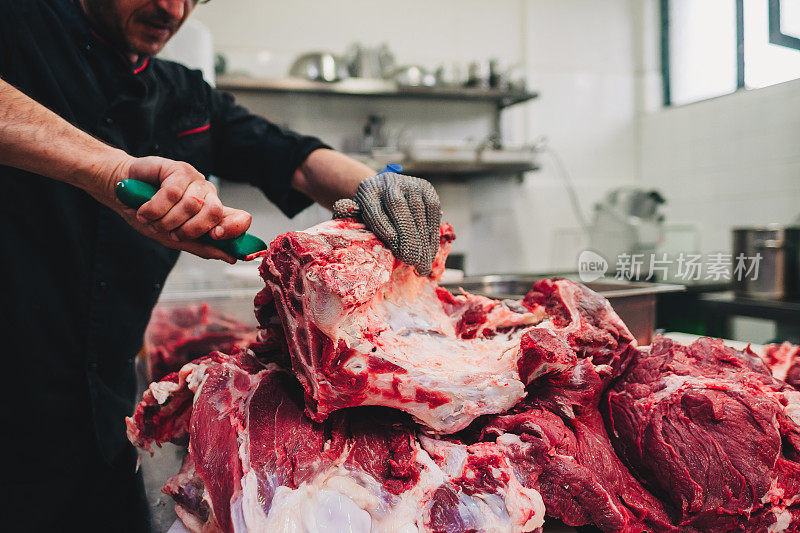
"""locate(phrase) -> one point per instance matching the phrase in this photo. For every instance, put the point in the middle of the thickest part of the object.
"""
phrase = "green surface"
(134, 194)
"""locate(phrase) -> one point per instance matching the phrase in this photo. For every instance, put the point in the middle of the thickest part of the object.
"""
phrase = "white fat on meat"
(347, 500)
(783, 519)
(391, 331)
(478, 376)
(341, 499)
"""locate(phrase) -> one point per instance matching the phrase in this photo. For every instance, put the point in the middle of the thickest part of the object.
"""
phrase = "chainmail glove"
(403, 212)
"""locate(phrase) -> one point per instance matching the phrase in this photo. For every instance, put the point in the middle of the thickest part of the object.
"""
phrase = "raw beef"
(713, 433)
(556, 441)
(176, 335)
(511, 404)
(257, 463)
(364, 329)
(784, 361)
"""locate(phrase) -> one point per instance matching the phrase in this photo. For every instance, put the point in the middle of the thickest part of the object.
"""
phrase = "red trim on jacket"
(142, 66)
(195, 130)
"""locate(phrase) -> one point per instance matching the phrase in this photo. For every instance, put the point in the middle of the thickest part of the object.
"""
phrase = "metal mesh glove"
(403, 212)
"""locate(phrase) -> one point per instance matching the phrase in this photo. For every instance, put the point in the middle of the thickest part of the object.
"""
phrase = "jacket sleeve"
(9, 21)
(249, 148)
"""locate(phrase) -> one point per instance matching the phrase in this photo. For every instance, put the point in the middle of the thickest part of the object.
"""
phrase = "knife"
(134, 193)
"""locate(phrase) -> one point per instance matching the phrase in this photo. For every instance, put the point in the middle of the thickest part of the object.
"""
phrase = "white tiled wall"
(418, 31)
(579, 56)
(730, 161)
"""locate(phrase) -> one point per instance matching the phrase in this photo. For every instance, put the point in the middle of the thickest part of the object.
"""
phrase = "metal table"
(721, 307)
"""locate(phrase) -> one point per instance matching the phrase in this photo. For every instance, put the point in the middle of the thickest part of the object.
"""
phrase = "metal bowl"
(413, 76)
(319, 66)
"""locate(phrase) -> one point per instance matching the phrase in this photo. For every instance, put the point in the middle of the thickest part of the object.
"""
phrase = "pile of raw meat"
(376, 401)
(178, 334)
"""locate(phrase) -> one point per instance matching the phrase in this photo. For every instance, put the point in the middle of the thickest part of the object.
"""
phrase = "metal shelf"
(440, 170)
(361, 87)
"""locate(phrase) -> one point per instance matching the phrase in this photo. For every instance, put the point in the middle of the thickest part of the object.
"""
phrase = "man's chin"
(146, 47)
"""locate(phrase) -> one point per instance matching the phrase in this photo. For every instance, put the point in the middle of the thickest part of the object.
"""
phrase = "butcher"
(84, 104)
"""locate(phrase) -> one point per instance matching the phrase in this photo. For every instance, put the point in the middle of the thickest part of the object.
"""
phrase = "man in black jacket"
(83, 105)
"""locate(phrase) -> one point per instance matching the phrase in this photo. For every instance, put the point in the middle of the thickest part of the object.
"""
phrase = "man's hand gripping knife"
(404, 212)
(186, 206)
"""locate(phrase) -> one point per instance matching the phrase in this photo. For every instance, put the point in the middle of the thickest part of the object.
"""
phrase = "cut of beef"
(176, 335)
(784, 361)
(364, 329)
(558, 445)
(256, 463)
(709, 429)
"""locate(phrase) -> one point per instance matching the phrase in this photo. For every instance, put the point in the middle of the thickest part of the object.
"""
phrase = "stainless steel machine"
(627, 221)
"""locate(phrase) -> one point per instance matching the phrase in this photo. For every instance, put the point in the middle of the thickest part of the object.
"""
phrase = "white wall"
(577, 53)
(724, 162)
(419, 31)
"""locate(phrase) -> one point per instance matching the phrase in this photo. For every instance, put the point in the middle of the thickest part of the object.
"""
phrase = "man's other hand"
(185, 207)
(403, 212)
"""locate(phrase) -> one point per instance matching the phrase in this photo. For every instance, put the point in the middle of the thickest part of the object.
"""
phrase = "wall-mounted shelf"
(373, 88)
(453, 170)
(377, 88)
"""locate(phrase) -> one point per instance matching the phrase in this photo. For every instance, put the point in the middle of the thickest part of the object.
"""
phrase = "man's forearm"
(35, 139)
(326, 176)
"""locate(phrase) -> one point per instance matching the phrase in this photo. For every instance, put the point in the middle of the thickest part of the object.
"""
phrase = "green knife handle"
(134, 193)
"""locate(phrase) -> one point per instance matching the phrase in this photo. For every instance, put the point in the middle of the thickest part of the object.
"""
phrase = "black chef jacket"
(79, 283)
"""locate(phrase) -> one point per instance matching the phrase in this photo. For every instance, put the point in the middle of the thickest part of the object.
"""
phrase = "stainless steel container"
(634, 302)
(778, 275)
(319, 66)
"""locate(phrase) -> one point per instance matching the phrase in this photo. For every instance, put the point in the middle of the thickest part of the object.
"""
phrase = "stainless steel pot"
(365, 62)
(778, 275)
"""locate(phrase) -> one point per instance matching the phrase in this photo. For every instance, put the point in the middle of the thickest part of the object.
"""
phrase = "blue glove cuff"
(391, 167)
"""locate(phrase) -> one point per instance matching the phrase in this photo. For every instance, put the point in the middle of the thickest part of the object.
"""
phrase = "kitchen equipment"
(413, 76)
(365, 62)
(439, 151)
(628, 221)
(319, 66)
(634, 302)
(778, 275)
(451, 74)
(135, 193)
(498, 79)
(374, 134)
(508, 154)
(220, 64)
(478, 74)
